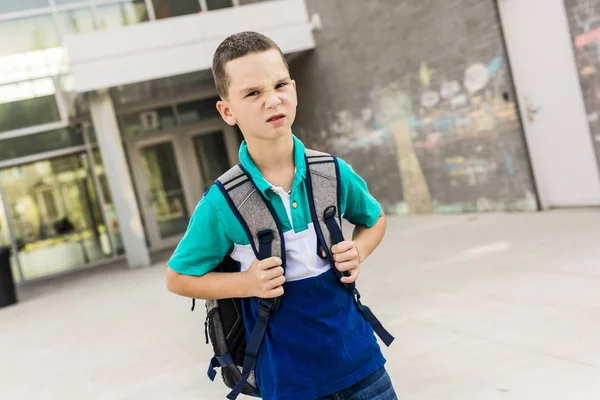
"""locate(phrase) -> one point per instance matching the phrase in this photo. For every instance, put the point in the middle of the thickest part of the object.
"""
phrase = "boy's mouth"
(277, 118)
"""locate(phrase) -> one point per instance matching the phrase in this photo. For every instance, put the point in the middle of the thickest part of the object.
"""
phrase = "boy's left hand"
(346, 257)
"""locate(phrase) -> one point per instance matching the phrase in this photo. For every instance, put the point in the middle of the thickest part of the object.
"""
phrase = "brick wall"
(584, 22)
(418, 98)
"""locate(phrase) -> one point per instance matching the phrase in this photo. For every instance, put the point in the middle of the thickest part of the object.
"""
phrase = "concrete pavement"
(491, 306)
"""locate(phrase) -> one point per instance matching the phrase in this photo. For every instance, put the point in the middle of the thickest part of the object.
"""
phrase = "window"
(197, 111)
(28, 112)
(49, 204)
(76, 21)
(212, 156)
(121, 14)
(175, 8)
(32, 64)
(109, 207)
(218, 4)
(244, 2)
(138, 124)
(7, 6)
(60, 2)
(27, 34)
(54, 214)
(38, 143)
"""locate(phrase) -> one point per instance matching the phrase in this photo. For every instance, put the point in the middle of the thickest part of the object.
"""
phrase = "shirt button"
(295, 205)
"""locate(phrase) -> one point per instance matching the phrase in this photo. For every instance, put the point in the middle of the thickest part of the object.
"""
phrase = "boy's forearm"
(212, 286)
(366, 239)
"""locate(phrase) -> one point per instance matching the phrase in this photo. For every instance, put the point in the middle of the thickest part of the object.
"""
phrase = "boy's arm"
(212, 286)
(366, 239)
(202, 248)
(348, 255)
(360, 208)
(263, 279)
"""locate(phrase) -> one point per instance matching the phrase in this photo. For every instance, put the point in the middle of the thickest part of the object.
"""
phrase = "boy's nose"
(273, 101)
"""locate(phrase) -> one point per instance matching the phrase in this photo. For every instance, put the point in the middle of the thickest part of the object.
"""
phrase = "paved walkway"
(483, 307)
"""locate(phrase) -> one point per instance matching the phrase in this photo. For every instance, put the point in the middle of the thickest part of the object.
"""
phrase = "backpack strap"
(256, 216)
(264, 232)
(324, 199)
(323, 189)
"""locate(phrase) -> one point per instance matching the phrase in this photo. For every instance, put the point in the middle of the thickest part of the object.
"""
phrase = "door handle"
(531, 110)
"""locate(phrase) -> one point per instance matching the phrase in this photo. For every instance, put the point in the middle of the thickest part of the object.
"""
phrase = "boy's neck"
(272, 155)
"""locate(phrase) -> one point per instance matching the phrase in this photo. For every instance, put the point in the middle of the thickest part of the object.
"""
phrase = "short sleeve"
(358, 206)
(204, 244)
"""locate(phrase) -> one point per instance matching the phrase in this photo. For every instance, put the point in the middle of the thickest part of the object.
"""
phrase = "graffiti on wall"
(585, 28)
(454, 135)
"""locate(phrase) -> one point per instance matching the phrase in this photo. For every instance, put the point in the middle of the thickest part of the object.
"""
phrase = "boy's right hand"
(265, 278)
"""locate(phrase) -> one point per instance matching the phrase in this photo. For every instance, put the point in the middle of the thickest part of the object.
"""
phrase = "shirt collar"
(260, 182)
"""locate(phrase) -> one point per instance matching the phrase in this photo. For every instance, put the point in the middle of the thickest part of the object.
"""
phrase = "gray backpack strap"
(266, 237)
(324, 198)
(254, 213)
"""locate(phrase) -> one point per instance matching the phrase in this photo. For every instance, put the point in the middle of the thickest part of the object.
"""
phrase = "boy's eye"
(252, 94)
(280, 85)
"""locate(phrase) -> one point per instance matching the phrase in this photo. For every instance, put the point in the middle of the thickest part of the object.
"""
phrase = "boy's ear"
(226, 113)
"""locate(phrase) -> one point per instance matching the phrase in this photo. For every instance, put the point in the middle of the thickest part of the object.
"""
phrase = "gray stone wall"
(417, 96)
(584, 22)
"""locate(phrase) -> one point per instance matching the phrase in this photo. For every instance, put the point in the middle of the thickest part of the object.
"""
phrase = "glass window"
(109, 206)
(244, 2)
(138, 124)
(174, 8)
(54, 214)
(122, 14)
(59, 2)
(76, 21)
(29, 112)
(27, 34)
(7, 6)
(191, 82)
(197, 111)
(38, 143)
(212, 156)
(91, 132)
(141, 91)
(32, 64)
(6, 242)
(4, 235)
(166, 190)
(218, 4)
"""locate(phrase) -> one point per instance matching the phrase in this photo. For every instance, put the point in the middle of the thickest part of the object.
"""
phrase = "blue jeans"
(377, 386)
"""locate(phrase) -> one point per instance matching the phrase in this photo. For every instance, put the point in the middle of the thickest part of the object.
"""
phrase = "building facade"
(109, 135)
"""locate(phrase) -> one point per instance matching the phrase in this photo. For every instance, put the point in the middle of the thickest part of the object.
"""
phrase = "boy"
(318, 345)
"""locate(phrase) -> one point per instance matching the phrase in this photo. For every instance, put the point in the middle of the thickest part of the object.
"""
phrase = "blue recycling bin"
(8, 294)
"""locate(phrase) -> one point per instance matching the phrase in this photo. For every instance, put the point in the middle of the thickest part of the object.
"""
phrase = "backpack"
(224, 324)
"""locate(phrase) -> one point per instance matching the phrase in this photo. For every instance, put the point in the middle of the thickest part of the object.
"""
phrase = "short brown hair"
(234, 47)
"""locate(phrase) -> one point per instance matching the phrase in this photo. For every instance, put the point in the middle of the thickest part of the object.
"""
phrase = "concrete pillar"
(119, 178)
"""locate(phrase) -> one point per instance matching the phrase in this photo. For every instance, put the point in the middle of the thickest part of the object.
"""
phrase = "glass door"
(172, 172)
(165, 190)
(211, 155)
(162, 195)
(54, 213)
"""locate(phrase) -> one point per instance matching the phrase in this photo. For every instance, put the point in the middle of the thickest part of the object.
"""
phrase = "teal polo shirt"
(214, 231)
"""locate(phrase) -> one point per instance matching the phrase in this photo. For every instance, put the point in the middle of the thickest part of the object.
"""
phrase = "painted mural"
(584, 22)
(449, 135)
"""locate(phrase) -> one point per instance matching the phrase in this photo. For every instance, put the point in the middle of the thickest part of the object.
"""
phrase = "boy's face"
(262, 96)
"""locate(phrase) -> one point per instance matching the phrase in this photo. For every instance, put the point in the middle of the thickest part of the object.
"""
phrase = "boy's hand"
(346, 257)
(265, 278)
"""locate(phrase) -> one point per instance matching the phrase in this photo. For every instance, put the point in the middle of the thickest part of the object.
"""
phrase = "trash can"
(8, 294)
